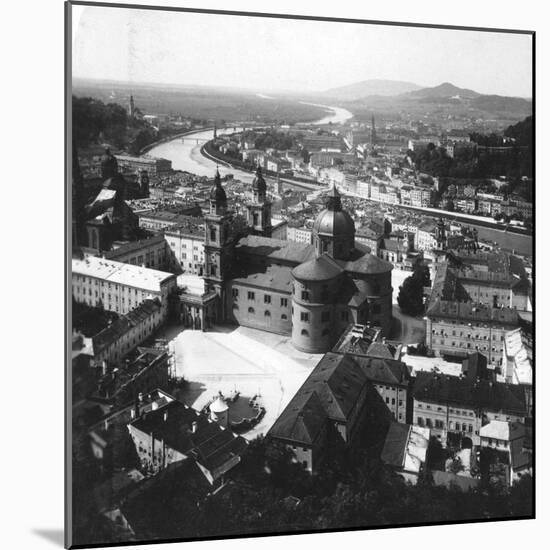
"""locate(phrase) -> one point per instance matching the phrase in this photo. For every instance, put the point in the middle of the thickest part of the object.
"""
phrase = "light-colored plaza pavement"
(238, 358)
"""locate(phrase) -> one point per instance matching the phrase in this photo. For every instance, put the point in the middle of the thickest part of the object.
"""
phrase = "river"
(186, 155)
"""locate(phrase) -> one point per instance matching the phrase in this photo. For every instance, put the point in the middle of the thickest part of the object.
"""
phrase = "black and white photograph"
(300, 274)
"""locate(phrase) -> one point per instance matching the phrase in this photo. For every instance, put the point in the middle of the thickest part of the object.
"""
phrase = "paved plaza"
(250, 361)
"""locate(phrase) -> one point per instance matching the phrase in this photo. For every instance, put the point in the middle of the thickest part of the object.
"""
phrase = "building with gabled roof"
(405, 450)
(335, 400)
(454, 407)
(174, 432)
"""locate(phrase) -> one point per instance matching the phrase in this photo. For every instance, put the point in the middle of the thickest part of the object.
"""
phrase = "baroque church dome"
(333, 220)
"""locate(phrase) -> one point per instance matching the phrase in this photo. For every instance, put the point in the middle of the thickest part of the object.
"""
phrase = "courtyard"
(229, 359)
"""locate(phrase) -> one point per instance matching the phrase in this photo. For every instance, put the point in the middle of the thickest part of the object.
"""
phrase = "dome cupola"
(334, 229)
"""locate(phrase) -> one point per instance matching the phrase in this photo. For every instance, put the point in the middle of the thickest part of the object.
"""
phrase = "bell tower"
(258, 213)
(216, 246)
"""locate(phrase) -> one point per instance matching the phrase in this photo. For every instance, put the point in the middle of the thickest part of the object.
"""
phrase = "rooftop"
(485, 394)
(133, 246)
(123, 324)
(322, 268)
(278, 278)
(275, 249)
(184, 429)
(120, 273)
(330, 391)
(406, 447)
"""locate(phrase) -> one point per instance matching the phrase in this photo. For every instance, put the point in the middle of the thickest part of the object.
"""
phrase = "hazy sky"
(269, 54)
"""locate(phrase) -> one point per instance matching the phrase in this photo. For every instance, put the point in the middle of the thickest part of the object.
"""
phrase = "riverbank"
(172, 137)
(213, 154)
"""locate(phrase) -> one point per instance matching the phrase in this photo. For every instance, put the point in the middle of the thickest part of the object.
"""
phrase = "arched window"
(250, 310)
(284, 317)
(267, 313)
(304, 332)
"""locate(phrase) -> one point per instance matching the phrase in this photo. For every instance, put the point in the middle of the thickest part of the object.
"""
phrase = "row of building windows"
(440, 425)
(267, 313)
(469, 335)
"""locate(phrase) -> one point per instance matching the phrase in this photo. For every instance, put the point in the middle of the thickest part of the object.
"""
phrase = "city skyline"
(252, 53)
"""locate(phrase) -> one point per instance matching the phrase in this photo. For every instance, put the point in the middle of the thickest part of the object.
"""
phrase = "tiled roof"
(272, 277)
(210, 445)
(275, 249)
(363, 262)
(395, 445)
(124, 324)
(322, 268)
(485, 395)
(337, 381)
(472, 312)
(385, 371)
(120, 273)
(133, 246)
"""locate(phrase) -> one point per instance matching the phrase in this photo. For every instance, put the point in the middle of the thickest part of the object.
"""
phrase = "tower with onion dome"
(258, 211)
(216, 260)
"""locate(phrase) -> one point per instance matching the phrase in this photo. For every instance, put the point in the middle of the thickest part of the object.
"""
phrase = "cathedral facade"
(309, 292)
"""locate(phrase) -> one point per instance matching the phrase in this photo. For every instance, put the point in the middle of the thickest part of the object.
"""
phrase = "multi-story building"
(299, 234)
(377, 359)
(517, 361)
(371, 238)
(425, 236)
(420, 196)
(127, 332)
(323, 143)
(186, 242)
(458, 328)
(148, 369)
(157, 220)
(363, 188)
(458, 407)
(152, 165)
(151, 253)
(172, 432)
(119, 287)
(336, 399)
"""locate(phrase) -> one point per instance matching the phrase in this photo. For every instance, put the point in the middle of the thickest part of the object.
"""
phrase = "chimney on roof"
(194, 426)
(165, 415)
(140, 397)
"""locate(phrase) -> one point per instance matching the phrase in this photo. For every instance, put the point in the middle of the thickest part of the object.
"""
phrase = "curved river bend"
(186, 155)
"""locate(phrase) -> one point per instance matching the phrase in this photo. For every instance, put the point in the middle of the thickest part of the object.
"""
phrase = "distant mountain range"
(359, 90)
(391, 94)
(444, 91)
